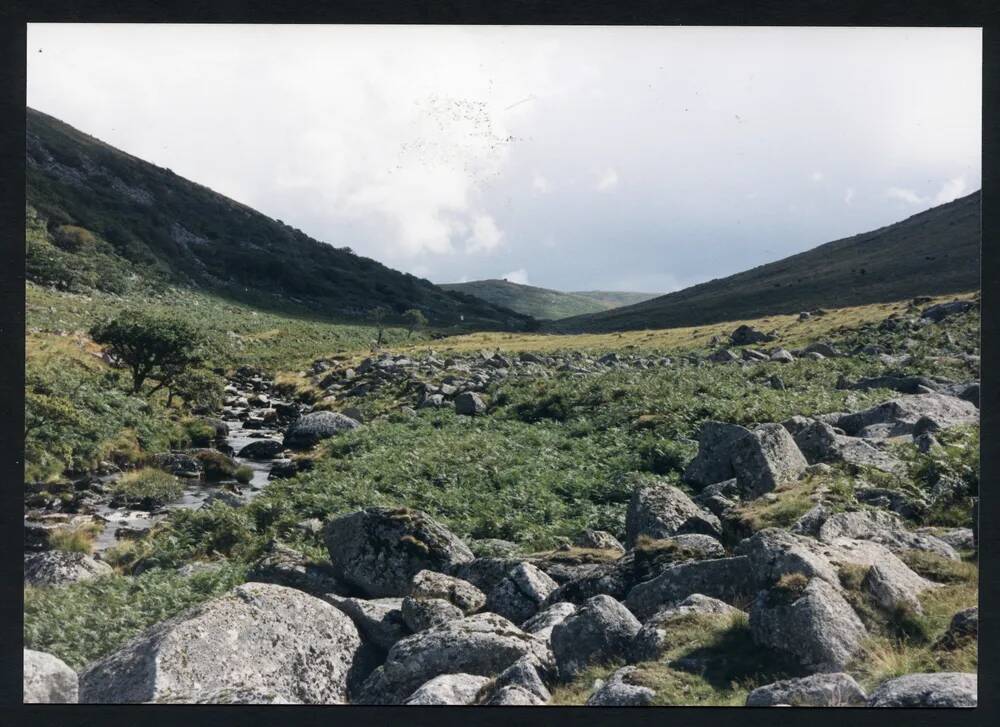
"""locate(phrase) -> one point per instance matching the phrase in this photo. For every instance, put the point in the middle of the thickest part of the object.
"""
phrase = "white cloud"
(816, 176)
(540, 184)
(849, 195)
(904, 195)
(952, 189)
(608, 181)
(519, 276)
(485, 236)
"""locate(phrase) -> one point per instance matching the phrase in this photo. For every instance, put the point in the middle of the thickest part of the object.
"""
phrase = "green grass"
(146, 489)
(84, 621)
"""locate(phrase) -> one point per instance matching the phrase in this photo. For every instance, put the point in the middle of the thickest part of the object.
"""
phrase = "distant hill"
(101, 218)
(932, 253)
(542, 303)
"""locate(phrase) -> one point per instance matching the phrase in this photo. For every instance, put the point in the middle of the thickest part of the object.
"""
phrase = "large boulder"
(523, 675)
(59, 567)
(48, 680)
(178, 464)
(722, 578)
(379, 550)
(518, 596)
(258, 636)
(483, 644)
(939, 312)
(599, 630)
(599, 540)
(285, 566)
(659, 510)
(453, 689)
(819, 690)
(420, 614)
(941, 689)
(813, 623)
(821, 443)
(713, 463)
(541, 624)
(307, 430)
(616, 691)
(899, 416)
(469, 403)
(261, 449)
(747, 335)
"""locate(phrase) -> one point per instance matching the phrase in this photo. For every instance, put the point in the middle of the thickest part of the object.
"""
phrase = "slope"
(931, 253)
(543, 303)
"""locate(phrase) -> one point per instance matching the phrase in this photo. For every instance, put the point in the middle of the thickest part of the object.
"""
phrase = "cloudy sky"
(641, 159)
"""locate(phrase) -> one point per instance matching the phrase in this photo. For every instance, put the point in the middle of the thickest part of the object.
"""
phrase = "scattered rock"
(942, 689)
(518, 596)
(722, 578)
(48, 680)
(309, 429)
(262, 449)
(599, 539)
(660, 510)
(379, 550)
(600, 629)
(747, 335)
(617, 692)
(819, 690)
(469, 403)
(59, 567)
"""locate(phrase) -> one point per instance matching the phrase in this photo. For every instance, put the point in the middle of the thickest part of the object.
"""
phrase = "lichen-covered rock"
(600, 629)
(964, 626)
(660, 510)
(428, 584)
(229, 695)
(454, 689)
(819, 690)
(513, 696)
(59, 567)
(285, 566)
(469, 403)
(616, 691)
(518, 596)
(420, 614)
(599, 539)
(541, 624)
(257, 636)
(941, 689)
(483, 644)
(311, 428)
(379, 620)
(379, 550)
(816, 625)
(713, 463)
(722, 578)
(766, 458)
(899, 416)
(883, 527)
(523, 674)
(653, 638)
(48, 679)
(820, 443)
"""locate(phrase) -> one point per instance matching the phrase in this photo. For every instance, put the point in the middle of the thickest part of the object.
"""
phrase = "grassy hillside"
(932, 253)
(542, 303)
(101, 219)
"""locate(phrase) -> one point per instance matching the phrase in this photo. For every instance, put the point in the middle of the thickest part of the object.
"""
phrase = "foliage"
(199, 388)
(243, 474)
(152, 347)
(84, 621)
(414, 320)
(146, 489)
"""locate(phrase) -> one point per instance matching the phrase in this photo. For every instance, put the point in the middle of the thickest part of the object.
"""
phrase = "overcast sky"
(642, 159)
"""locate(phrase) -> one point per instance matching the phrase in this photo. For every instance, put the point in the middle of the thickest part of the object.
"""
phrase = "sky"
(576, 158)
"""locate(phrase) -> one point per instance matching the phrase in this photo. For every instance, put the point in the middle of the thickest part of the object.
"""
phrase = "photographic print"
(502, 365)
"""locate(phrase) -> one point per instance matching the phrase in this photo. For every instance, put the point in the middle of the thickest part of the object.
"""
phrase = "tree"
(151, 347)
(377, 316)
(414, 319)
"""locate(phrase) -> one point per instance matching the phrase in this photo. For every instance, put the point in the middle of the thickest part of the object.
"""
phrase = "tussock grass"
(146, 489)
(75, 539)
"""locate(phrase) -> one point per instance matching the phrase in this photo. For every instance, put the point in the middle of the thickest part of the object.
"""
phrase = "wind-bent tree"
(415, 319)
(151, 347)
(378, 316)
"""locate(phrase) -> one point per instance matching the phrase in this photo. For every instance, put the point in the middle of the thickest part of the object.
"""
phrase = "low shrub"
(243, 474)
(145, 489)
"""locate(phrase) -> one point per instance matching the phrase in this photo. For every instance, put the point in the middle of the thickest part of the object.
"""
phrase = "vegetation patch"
(145, 489)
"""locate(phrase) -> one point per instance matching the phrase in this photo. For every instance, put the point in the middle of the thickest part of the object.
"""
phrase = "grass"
(74, 539)
(146, 489)
(84, 621)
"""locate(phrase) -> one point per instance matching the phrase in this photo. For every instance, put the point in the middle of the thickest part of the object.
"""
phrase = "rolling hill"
(931, 253)
(542, 303)
(99, 218)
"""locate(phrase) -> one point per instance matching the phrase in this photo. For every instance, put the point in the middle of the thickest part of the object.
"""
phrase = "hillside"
(931, 253)
(105, 220)
(542, 303)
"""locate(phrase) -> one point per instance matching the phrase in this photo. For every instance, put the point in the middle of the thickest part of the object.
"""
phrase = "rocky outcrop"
(379, 550)
(819, 690)
(652, 638)
(420, 614)
(882, 527)
(600, 629)
(59, 567)
(311, 428)
(48, 680)
(464, 595)
(483, 644)
(659, 510)
(899, 416)
(722, 578)
(379, 620)
(263, 637)
(942, 689)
